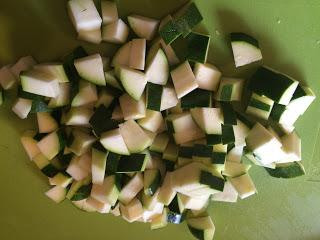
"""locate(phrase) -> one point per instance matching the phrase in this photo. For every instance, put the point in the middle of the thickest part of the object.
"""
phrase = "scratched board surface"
(289, 35)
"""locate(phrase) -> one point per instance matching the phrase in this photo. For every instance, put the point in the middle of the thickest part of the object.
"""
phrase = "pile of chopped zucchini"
(149, 135)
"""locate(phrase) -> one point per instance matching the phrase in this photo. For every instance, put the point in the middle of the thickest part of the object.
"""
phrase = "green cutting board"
(289, 34)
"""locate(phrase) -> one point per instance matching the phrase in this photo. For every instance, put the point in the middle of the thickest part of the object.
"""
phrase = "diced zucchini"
(245, 49)
(208, 119)
(133, 81)
(30, 144)
(112, 163)
(132, 211)
(169, 32)
(176, 212)
(116, 32)
(150, 202)
(134, 137)
(56, 69)
(160, 221)
(97, 205)
(112, 81)
(180, 122)
(169, 98)
(117, 114)
(52, 144)
(230, 89)
(197, 98)
(234, 169)
(122, 56)
(63, 98)
(99, 160)
(79, 142)
(194, 203)
(138, 54)
(301, 99)
(227, 134)
(23, 64)
(151, 181)
(187, 136)
(131, 108)
(201, 228)
(46, 123)
(84, 15)
(160, 143)
(240, 131)
(92, 36)
(157, 70)
(197, 47)
(153, 96)
(40, 83)
(80, 190)
(57, 194)
(207, 76)
(109, 191)
(131, 189)
(152, 120)
(109, 12)
(243, 185)
(7, 79)
(276, 86)
(61, 179)
(229, 194)
(287, 170)
(114, 142)
(263, 144)
(144, 27)
(167, 192)
(80, 167)
(115, 210)
(101, 121)
(87, 94)
(45, 166)
(134, 163)
(106, 98)
(22, 107)
(79, 116)
(90, 68)
(229, 115)
(259, 106)
(171, 152)
(183, 79)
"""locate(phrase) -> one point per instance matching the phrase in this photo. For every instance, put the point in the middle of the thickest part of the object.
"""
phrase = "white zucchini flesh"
(243, 185)
(235, 169)
(152, 214)
(301, 104)
(98, 166)
(138, 54)
(144, 27)
(157, 70)
(260, 111)
(56, 69)
(263, 143)
(92, 36)
(117, 114)
(170, 53)
(133, 81)
(7, 79)
(29, 144)
(57, 194)
(49, 145)
(114, 142)
(291, 145)
(116, 32)
(109, 12)
(46, 123)
(169, 98)
(87, 94)
(79, 116)
(135, 138)
(91, 69)
(183, 79)
(207, 76)
(235, 154)
(98, 206)
(106, 192)
(167, 192)
(23, 64)
(240, 131)
(122, 56)
(116, 211)
(194, 203)
(84, 15)
(229, 194)
(105, 98)
(40, 83)
(76, 171)
(208, 119)
(131, 189)
(63, 98)
(22, 107)
(237, 88)
(152, 121)
(245, 53)
(82, 142)
(132, 211)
